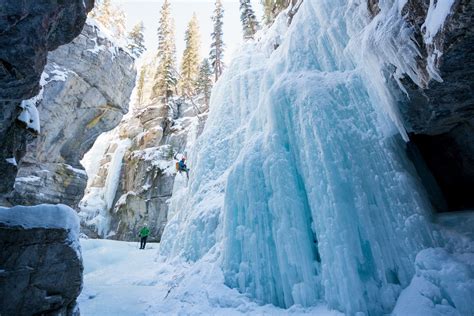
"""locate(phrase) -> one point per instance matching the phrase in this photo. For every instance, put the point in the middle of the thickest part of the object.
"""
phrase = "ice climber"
(144, 232)
(182, 166)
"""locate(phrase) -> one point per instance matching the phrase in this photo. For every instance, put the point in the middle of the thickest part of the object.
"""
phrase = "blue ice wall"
(300, 180)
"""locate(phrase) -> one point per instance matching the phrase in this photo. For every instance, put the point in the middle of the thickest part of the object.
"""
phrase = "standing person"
(144, 232)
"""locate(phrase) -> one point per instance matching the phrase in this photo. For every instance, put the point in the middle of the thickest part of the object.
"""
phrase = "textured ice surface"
(98, 200)
(300, 183)
(444, 279)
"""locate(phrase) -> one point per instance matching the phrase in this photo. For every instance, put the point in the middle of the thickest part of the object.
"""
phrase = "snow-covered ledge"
(40, 262)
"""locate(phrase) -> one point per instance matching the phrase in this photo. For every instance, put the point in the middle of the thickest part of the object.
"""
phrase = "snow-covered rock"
(40, 262)
(84, 94)
(444, 280)
(443, 285)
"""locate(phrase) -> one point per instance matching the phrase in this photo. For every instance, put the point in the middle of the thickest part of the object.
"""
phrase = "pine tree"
(204, 82)
(110, 16)
(136, 41)
(268, 11)
(217, 47)
(140, 85)
(190, 62)
(103, 12)
(165, 78)
(118, 22)
(248, 19)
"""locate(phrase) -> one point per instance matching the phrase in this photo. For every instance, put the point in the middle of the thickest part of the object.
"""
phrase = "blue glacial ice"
(300, 181)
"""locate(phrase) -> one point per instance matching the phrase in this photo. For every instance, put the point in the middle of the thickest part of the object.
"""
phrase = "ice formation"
(300, 189)
(11, 161)
(29, 114)
(98, 200)
(437, 13)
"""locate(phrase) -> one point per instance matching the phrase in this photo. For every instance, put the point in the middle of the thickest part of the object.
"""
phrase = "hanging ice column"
(312, 197)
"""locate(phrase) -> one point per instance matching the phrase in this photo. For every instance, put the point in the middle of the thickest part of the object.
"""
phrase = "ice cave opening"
(445, 171)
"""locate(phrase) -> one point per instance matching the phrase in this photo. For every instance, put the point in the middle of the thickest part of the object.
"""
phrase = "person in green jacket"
(144, 232)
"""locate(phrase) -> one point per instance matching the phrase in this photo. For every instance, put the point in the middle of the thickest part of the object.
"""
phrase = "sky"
(148, 11)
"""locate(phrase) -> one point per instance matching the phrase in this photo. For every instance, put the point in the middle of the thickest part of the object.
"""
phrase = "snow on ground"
(120, 279)
(443, 285)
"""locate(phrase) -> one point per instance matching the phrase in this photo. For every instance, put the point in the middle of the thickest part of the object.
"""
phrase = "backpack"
(177, 166)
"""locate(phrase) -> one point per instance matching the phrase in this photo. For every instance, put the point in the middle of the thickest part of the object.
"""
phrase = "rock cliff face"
(29, 29)
(132, 168)
(87, 86)
(147, 178)
(439, 113)
(445, 102)
(41, 264)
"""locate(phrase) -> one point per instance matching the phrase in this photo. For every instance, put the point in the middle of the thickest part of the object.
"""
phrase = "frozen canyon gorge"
(331, 173)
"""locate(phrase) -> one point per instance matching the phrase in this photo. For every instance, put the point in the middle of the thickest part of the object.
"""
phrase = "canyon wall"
(29, 29)
(132, 168)
(86, 91)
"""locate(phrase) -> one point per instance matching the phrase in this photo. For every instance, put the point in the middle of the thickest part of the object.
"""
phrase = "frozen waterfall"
(300, 184)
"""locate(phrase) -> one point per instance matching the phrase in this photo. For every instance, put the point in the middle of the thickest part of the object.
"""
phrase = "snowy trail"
(120, 279)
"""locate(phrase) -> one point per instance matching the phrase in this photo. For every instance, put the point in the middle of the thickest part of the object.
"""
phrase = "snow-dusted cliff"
(86, 88)
(131, 169)
(301, 191)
